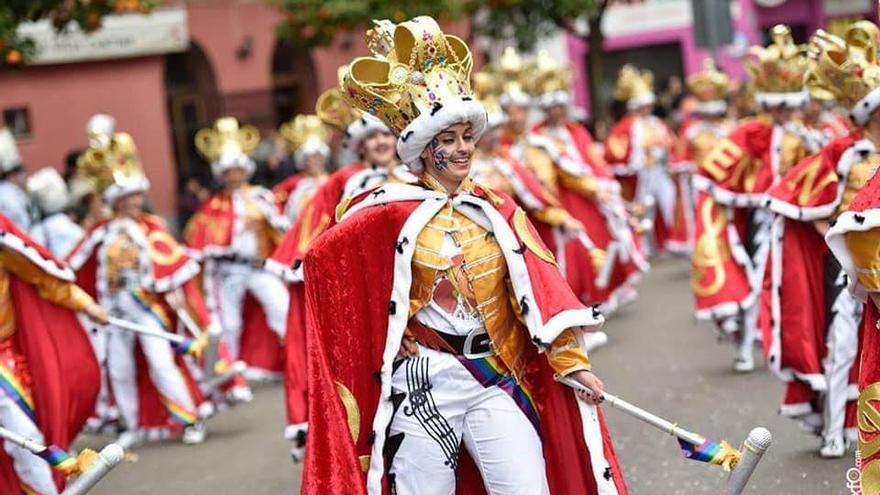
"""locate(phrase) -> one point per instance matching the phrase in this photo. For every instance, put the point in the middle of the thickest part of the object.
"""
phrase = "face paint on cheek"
(439, 157)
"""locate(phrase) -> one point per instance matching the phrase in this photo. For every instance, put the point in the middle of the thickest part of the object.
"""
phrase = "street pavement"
(658, 358)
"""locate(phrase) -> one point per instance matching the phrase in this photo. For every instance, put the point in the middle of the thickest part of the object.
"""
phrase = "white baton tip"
(113, 454)
(760, 439)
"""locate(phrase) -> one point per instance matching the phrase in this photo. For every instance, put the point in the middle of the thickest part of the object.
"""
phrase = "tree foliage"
(87, 14)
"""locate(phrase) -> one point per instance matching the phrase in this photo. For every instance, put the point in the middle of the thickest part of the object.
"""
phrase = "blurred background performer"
(49, 374)
(307, 140)
(131, 263)
(741, 167)
(720, 265)
(450, 340)
(638, 151)
(233, 233)
(14, 201)
(587, 189)
(56, 229)
(822, 338)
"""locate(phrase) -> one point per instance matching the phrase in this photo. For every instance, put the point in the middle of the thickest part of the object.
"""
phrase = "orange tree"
(87, 14)
(317, 22)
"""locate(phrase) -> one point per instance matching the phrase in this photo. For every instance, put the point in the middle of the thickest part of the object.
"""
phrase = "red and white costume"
(49, 373)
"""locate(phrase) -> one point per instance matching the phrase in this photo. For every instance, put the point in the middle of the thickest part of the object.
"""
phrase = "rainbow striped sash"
(16, 391)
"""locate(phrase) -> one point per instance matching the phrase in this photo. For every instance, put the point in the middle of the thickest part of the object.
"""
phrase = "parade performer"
(373, 144)
(638, 151)
(587, 190)
(815, 321)
(306, 139)
(57, 230)
(431, 280)
(48, 372)
(720, 268)
(233, 233)
(131, 263)
(14, 202)
(737, 173)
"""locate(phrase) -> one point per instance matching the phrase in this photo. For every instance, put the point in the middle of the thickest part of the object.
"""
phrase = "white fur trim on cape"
(96, 239)
(425, 127)
(484, 214)
(861, 111)
(711, 108)
(725, 196)
(641, 100)
(361, 129)
(789, 100)
(857, 151)
(851, 221)
(55, 269)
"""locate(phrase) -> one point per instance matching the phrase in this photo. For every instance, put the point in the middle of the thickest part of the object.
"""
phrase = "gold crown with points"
(780, 67)
(332, 107)
(101, 166)
(422, 70)
(710, 84)
(847, 70)
(487, 88)
(634, 85)
(304, 129)
(226, 138)
(550, 76)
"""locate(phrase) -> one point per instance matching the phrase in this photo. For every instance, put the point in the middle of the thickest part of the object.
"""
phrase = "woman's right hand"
(408, 348)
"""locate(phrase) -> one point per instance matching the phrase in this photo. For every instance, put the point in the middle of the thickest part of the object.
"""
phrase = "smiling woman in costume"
(450, 297)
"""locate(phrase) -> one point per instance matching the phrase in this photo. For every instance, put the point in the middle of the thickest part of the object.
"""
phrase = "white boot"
(195, 434)
(594, 340)
(833, 447)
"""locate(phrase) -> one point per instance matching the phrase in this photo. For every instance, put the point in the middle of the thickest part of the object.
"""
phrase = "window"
(18, 120)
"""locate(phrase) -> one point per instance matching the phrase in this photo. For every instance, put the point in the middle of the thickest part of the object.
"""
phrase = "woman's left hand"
(591, 382)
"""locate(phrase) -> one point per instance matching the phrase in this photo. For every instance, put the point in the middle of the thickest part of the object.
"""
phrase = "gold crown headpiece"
(487, 88)
(419, 87)
(226, 138)
(634, 86)
(847, 70)
(510, 79)
(304, 129)
(332, 107)
(778, 70)
(102, 166)
(710, 84)
(423, 69)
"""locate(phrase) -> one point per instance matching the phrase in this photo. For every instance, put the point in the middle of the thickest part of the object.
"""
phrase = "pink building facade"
(229, 61)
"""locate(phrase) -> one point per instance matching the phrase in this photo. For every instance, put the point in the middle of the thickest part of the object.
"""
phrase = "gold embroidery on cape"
(310, 231)
(520, 223)
(792, 152)
(807, 176)
(352, 411)
(164, 249)
(618, 145)
(710, 253)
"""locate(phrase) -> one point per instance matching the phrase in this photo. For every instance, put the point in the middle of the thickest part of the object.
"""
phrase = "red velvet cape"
(64, 372)
(350, 272)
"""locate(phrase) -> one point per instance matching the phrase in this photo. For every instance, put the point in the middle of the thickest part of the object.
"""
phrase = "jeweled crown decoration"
(548, 75)
(116, 162)
(332, 107)
(710, 84)
(226, 138)
(845, 70)
(633, 83)
(423, 69)
(303, 129)
(780, 67)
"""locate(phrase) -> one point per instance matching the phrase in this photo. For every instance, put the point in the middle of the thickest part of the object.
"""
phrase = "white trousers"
(122, 368)
(32, 470)
(444, 406)
(230, 284)
(843, 344)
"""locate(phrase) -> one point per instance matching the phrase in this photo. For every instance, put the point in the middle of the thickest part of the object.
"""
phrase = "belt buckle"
(469, 344)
